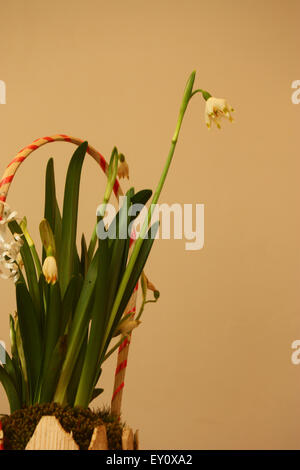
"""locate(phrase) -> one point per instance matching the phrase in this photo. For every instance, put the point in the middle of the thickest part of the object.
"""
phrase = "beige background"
(210, 367)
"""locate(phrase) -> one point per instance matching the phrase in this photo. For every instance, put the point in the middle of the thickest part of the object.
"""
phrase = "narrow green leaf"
(31, 335)
(47, 237)
(141, 197)
(50, 195)
(51, 211)
(70, 301)
(24, 376)
(96, 393)
(35, 256)
(44, 293)
(74, 381)
(78, 330)
(99, 318)
(84, 260)
(57, 234)
(51, 375)
(52, 324)
(133, 279)
(9, 367)
(12, 395)
(15, 354)
(138, 267)
(120, 247)
(77, 263)
(30, 270)
(13, 339)
(92, 245)
(69, 219)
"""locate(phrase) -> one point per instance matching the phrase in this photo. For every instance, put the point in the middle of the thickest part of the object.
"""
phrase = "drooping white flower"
(50, 270)
(215, 109)
(7, 216)
(10, 246)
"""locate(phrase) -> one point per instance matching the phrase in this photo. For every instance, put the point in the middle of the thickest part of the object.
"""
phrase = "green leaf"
(15, 353)
(92, 245)
(138, 266)
(132, 281)
(84, 260)
(31, 335)
(50, 195)
(120, 247)
(9, 367)
(51, 375)
(47, 237)
(11, 392)
(24, 376)
(74, 381)
(112, 263)
(69, 219)
(51, 332)
(44, 293)
(96, 393)
(70, 301)
(52, 324)
(23, 226)
(57, 234)
(141, 197)
(30, 270)
(51, 211)
(78, 330)
(13, 339)
(99, 318)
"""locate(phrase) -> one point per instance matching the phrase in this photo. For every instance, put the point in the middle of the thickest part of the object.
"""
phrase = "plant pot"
(53, 427)
(49, 435)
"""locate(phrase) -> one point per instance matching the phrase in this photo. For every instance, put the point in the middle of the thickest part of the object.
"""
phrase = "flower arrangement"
(70, 302)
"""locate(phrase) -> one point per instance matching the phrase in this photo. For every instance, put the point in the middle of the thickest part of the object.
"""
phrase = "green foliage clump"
(70, 302)
(20, 425)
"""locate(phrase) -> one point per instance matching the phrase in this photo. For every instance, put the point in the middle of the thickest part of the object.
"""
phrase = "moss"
(19, 427)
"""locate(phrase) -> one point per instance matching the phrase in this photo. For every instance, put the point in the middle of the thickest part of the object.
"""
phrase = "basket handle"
(11, 169)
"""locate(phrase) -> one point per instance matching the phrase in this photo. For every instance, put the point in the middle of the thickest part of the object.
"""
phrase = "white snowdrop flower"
(10, 246)
(215, 109)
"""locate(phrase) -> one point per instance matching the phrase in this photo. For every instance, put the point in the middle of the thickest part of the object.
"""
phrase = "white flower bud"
(50, 270)
(125, 327)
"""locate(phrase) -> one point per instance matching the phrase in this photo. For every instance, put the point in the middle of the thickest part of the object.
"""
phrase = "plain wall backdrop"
(210, 366)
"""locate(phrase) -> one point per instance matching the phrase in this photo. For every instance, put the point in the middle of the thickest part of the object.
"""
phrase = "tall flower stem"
(185, 101)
